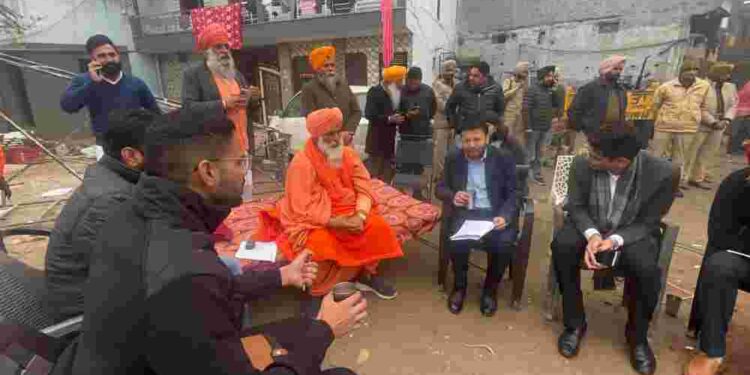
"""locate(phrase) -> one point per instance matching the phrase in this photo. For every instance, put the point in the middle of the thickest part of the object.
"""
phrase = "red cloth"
(743, 106)
(230, 16)
(212, 35)
(386, 20)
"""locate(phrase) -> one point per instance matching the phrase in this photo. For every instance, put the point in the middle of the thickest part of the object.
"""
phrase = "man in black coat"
(160, 301)
(723, 272)
(381, 110)
(475, 98)
(601, 102)
(105, 185)
(479, 183)
(539, 105)
(616, 200)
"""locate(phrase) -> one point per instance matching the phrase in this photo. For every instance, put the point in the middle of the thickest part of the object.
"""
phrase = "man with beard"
(479, 184)
(217, 88)
(442, 134)
(328, 208)
(514, 90)
(477, 98)
(383, 101)
(680, 105)
(105, 87)
(418, 102)
(616, 200)
(721, 107)
(601, 102)
(538, 107)
(329, 90)
(161, 302)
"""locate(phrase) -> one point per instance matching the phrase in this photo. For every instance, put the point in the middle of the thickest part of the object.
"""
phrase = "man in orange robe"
(328, 209)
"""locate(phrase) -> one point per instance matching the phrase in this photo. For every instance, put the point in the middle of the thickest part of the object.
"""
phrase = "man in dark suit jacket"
(234, 98)
(479, 183)
(615, 202)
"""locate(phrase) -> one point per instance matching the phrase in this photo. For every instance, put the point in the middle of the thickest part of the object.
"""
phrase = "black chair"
(30, 341)
(524, 222)
(413, 150)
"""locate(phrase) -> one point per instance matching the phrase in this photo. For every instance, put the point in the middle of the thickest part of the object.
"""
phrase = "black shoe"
(488, 302)
(456, 301)
(378, 286)
(699, 185)
(642, 358)
(570, 341)
(679, 194)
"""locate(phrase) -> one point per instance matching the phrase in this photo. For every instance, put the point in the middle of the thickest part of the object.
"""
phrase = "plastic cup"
(342, 291)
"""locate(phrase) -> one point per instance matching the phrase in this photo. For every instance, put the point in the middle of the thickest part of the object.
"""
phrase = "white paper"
(473, 230)
(263, 251)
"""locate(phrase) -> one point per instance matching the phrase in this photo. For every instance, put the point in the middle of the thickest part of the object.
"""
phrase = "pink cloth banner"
(386, 21)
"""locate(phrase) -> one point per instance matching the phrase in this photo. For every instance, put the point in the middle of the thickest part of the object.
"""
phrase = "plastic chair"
(414, 150)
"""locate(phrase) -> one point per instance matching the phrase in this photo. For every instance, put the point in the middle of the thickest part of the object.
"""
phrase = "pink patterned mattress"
(407, 216)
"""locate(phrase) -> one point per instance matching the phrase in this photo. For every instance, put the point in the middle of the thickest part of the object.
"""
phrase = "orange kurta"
(227, 88)
(315, 192)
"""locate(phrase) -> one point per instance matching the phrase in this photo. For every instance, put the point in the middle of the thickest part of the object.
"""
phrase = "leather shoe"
(488, 302)
(703, 365)
(699, 185)
(570, 341)
(456, 301)
(642, 358)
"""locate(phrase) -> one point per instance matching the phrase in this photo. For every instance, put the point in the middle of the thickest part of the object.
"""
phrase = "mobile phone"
(608, 258)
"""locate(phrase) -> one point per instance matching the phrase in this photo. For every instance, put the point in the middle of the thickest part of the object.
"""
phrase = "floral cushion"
(409, 218)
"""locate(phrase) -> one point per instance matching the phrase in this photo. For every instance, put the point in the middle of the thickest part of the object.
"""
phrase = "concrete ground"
(415, 334)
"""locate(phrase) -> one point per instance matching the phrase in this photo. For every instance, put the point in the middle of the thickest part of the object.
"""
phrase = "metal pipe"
(46, 151)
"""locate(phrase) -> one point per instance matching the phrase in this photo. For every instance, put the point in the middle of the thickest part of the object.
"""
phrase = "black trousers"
(722, 275)
(638, 260)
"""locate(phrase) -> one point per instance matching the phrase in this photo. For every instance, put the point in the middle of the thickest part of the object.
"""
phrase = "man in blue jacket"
(104, 88)
(479, 183)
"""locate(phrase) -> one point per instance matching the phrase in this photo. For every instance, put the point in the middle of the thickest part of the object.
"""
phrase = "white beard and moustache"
(395, 94)
(329, 81)
(334, 155)
(222, 67)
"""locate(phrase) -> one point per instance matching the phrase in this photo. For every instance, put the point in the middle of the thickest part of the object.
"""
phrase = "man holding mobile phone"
(104, 87)
(616, 199)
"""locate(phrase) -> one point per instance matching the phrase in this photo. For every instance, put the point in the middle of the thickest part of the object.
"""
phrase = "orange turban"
(212, 35)
(319, 56)
(607, 65)
(324, 121)
(394, 73)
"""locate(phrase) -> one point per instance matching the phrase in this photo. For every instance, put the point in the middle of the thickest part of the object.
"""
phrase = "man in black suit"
(615, 202)
(479, 183)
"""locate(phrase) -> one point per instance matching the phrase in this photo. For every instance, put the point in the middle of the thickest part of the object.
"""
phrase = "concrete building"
(279, 35)
(577, 34)
(54, 33)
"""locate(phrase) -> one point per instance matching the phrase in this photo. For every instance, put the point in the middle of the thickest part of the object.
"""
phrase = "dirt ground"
(415, 334)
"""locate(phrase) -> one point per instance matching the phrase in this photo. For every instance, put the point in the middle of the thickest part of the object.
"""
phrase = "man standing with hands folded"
(479, 183)
(217, 87)
(615, 203)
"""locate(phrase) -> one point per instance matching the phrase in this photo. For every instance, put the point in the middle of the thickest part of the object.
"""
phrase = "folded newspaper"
(473, 230)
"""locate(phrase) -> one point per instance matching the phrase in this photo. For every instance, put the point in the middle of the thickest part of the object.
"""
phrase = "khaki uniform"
(442, 130)
(706, 145)
(514, 92)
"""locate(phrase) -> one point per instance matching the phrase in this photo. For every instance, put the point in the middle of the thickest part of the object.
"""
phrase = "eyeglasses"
(244, 161)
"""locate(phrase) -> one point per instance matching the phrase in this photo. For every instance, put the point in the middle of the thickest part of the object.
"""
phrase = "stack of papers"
(263, 251)
(473, 230)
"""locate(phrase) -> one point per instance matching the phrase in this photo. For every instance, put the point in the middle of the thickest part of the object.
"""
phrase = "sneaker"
(537, 180)
(378, 286)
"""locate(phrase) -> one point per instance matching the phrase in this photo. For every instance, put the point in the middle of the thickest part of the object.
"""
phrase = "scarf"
(625, 203)
(337, 182)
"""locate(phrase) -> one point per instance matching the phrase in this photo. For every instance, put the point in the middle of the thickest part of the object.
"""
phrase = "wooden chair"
(525, 225)
(602, 279)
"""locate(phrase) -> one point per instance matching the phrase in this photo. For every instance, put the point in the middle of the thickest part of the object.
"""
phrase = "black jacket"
(470, 104)
(500, 176)
(424, 98)
(381, 134)
(161, 302)
(590, 105)
(105, 185)
(729, 218)
(200, 93)
(539, 105)
(657, 196)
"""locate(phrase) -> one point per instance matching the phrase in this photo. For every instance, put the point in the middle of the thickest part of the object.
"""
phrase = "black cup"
(342, 291)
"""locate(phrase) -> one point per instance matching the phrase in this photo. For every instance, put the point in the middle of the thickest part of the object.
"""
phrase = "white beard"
(224, 68)
(328, 81)
(334, 155)
(395, 95)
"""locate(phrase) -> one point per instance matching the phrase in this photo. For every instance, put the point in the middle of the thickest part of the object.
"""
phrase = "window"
(500, 38)
(609, 27)
(301, 72)
(356, 69)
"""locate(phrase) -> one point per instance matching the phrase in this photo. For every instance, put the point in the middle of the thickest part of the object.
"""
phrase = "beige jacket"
(514, 93)
(442, 91)
(680, 109)
(729, 92)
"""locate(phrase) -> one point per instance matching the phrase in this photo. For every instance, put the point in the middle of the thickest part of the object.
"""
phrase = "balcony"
(264, 25)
